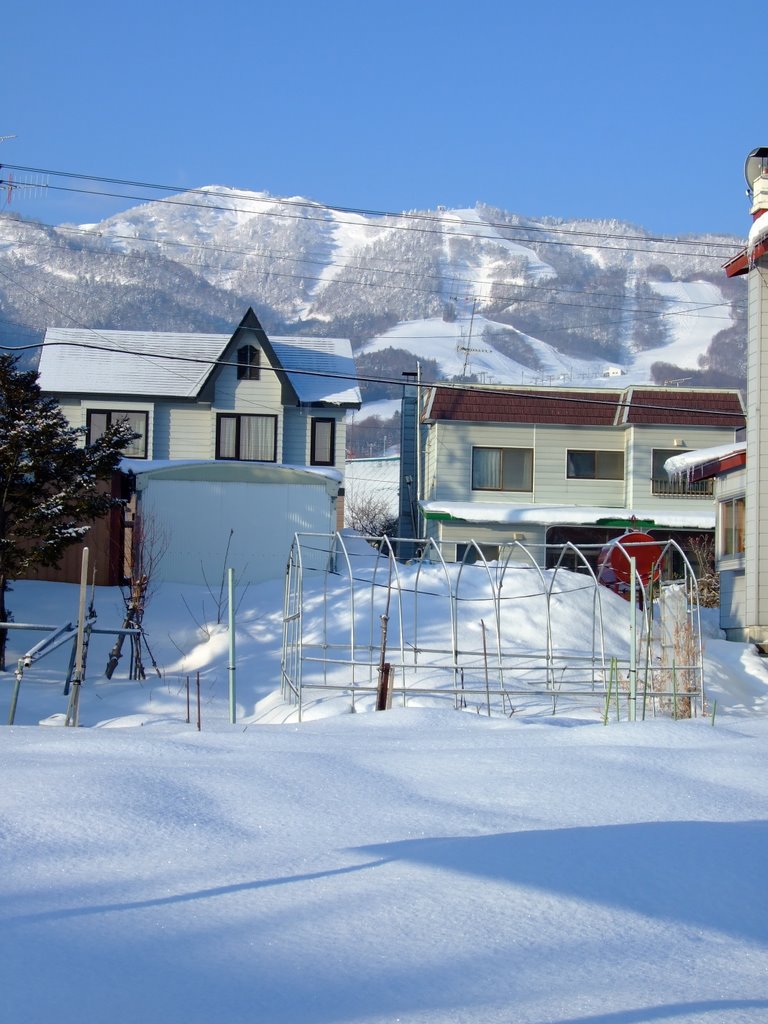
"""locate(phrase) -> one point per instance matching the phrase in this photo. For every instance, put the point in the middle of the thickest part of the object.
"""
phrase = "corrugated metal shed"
(210, 516)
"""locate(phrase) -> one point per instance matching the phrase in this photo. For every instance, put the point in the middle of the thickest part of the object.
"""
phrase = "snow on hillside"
(696, 314)
(574, 295)
(423, 866)
(459, 354)
(480, 263)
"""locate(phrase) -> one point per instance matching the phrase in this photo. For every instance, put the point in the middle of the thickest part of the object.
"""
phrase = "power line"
(408, 220)
(437, 385)
(511, 298)
(473, 285)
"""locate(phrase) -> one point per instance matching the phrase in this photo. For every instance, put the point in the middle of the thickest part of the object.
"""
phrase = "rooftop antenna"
(11, 184)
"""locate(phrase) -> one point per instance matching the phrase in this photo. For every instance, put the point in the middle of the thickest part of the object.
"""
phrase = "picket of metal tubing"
(385, 621)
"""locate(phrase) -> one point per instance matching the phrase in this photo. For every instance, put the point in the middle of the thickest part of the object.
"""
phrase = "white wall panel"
(196, 518)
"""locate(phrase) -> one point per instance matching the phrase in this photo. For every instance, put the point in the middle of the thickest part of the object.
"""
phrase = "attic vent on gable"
(248, 363)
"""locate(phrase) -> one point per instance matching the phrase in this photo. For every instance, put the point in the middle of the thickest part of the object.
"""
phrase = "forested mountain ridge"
(485, 293)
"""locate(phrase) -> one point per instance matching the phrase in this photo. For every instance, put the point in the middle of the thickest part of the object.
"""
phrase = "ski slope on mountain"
(460, 353)
(696, 314)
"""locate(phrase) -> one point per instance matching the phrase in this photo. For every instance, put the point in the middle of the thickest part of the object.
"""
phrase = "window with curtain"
(322, 442)
(247, 438)
(502, 469)
(594, 465)
(732, 527)
(97, 421)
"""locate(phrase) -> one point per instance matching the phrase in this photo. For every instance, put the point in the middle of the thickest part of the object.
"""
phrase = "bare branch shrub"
(703, 552)
(370, 514)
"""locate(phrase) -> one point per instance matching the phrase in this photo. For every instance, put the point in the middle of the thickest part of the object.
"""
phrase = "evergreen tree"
(49, 484)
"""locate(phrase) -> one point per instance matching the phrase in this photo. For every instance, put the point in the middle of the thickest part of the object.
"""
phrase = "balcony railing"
(678, 488)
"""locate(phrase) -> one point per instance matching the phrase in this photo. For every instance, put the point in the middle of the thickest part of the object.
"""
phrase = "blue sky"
(643, 113)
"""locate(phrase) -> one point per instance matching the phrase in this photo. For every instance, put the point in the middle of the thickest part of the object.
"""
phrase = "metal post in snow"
(73, 709)
(633, 639)
(17, 687)
(231, 619)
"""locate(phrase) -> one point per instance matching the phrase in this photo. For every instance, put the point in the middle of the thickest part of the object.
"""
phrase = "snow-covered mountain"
(485, 294)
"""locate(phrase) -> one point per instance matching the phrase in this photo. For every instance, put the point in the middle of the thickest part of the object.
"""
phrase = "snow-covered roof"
(169, 364)
(564, 515)
(176, 365)
(226, 469)
(719, 458)
(758, 231)
(317, 357)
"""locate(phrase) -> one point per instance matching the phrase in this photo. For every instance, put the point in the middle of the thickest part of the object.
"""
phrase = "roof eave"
(716, 467)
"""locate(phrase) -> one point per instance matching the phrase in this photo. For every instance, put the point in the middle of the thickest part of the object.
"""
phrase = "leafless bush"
(370, 514)
(703, 552)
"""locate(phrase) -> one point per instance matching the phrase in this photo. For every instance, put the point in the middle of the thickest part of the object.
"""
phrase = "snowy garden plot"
(495, 637)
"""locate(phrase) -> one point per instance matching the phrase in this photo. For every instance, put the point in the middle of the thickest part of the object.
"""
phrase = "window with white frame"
(245, 437)
(502, 469)
(97, 421)
(731, 520)
(322, 441)
(584, 464)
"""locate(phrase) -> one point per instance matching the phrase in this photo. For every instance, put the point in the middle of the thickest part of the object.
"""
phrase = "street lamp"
(755, 165)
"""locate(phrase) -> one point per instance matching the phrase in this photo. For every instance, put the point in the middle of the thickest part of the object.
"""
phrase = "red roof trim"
(742, 261)
(716, 467)
(759, 250)
(737, 265)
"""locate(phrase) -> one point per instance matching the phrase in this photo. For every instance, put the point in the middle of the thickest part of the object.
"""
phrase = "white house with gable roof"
(204, 405)
(207, 396)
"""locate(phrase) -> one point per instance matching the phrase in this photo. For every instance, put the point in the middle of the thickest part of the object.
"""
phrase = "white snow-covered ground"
(416, 865)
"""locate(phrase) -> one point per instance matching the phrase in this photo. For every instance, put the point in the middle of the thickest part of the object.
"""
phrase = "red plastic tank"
(613, 563)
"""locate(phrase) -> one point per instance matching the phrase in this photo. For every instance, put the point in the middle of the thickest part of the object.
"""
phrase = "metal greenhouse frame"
(434, 631)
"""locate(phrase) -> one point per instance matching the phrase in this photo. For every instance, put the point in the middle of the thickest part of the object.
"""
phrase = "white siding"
(551, 483)
(453, 478)
(733, 610)
(756, 581)
(448, 463)
(74, 412)
(251, 397)
(297, 435)
(453, 534)
(640, 448)
(183, 432)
